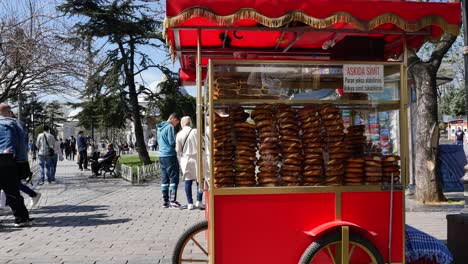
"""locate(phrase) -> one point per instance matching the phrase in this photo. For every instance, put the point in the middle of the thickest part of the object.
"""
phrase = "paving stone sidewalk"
(83, 220)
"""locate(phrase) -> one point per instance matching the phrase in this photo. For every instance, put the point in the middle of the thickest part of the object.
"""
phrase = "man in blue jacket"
(168, 161)
(9, 180)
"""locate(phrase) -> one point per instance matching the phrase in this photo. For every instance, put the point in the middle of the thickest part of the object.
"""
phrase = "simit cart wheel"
(192, 246)
(326, 250)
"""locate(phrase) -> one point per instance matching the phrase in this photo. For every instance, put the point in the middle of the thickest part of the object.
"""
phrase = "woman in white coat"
(186, 147)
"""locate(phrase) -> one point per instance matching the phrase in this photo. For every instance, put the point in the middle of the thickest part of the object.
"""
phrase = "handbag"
(50, 151)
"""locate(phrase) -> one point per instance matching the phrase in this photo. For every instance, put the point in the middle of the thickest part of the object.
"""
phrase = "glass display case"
(272, 124)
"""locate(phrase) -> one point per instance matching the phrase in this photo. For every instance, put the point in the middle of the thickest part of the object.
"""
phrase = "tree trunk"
(428, 184)
(128, 64)
(140, 139)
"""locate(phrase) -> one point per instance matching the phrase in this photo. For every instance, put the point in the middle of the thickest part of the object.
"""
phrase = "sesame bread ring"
(356, 170)
(333, 122)
(264, 123)
(292, 161)
(268, 180)
(354, 165)
(268, 134)
(262, 117)
(391, 158)
(224, 174)
(312, 130)
(222, 163)
(373, 168)
(242, 147)
(339, 156)
(308, 119)
(269, 157)
(241, 182)
(338, 127)
(336, 144)
(357, 181)
(314, 145)
(267, 129)
(333, 150)
(221, 177)
(335, 167)
(223, 154)
(243, 161)
(249, 152)
(290, 138)
(246, 142)
(268, 174)
(331, 116)
(250, 168)
(270, 152)
(223, 185)
(290, 144)
(292, 156)
(269, 168)
(290, 178)
(313, 156)
(373, 163)
(267, 162)
(373, 158)
(373, 174)
(334, 172)
(329, 109)
(333, 139)
(268, 146)
(307, 135)
(257, 112)
(270, 140)
(332, 162)
(349, 174)
(312, 173)
(390, 163)
(287, 114)
(313, 161)
(335, 133)
(245, 174)
(291, 168)
(312, 140)
(313, 168)
(391, 169)
(246, 136)
(356, 160)
(246, 157)
(244, 125)
(311, 150)
(289, 132)
(332, 179)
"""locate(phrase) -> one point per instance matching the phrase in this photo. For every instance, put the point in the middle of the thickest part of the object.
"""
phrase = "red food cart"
(302, 111)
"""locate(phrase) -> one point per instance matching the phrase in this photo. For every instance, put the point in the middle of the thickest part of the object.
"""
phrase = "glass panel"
(292, 125)
(298, 82)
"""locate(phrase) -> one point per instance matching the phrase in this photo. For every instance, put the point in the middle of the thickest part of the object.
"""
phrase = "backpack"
(8, 136)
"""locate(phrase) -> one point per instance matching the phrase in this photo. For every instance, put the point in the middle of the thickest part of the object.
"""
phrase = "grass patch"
(134, 161)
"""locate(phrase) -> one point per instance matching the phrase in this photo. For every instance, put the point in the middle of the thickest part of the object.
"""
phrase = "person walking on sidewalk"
(9, 180)
(73, 147)
(46, 143)
(186, 148)
(57, 156)
(168, 161)
(24, 170)
(459, 136)
(82, 153)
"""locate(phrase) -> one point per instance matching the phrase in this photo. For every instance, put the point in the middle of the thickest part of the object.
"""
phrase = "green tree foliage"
(126, 27)
(453, 102)
(170, 100)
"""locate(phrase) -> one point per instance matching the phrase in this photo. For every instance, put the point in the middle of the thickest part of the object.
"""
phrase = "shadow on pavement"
(77, 220)
(68, 208)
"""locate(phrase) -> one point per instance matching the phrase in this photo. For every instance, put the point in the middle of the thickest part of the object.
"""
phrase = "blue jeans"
(54, 166)
(459, 142)
(46, 164)
(188, 192)
(169, 178)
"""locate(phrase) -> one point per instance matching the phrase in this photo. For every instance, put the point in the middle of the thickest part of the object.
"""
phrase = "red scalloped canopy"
(283, 26)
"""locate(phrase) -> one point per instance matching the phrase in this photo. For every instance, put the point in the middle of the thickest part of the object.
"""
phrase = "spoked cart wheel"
(331, 248)
(192, 246)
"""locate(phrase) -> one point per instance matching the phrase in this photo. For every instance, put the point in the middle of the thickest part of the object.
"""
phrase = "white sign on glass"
(363, 78)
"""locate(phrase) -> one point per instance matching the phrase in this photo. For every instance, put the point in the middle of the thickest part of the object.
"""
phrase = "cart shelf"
(302, 189)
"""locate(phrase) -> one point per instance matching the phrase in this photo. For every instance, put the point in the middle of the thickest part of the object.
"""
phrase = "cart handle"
(324, 227)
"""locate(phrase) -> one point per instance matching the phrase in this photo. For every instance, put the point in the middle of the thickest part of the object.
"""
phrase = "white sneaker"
(35, 200)
(190, 206)
(199, 205)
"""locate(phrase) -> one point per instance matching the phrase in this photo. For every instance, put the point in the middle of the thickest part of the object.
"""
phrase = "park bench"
(109, 167)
